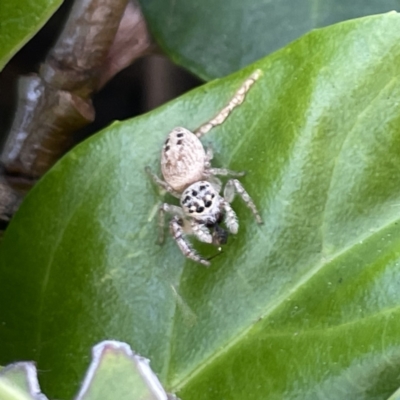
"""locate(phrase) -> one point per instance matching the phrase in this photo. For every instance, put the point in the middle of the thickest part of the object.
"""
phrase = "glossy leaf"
(213, 38)
(19, 21)
(305, 306)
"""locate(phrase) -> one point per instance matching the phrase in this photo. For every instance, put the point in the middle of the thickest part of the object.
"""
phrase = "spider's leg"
(232, 187)
(236, 100)
(161, 183)
(170, 209)
(225, 172)
(213, 172)
(209, 157)
(183, 244)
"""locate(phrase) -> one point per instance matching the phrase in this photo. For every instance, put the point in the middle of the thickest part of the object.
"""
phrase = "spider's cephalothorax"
(202, 202)
(188, 175)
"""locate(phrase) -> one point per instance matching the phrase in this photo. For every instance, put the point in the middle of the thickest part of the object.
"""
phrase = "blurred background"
(143, 86)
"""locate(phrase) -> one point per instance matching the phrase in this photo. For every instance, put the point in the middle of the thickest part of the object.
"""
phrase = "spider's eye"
(208, 204)
(200, 209)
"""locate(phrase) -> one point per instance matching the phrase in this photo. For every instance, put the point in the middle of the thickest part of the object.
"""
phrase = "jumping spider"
(186, 167)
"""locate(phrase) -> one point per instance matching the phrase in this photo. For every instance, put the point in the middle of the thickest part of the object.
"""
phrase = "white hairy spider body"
(183, 159)
(188, 175)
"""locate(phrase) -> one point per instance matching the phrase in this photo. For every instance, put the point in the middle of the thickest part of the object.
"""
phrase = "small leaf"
(117, 373)
(304, 306)
(395, 396)
(19, 382)
(213, 38)
(19, 21)
(10, 392)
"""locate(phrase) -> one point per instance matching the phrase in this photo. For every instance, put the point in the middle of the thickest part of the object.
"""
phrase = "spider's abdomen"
(182, 159)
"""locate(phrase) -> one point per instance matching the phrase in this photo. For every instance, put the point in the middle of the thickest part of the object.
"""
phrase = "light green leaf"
(10, 392)
(21, 376)
(395, 396)
(213, 38)
(118, 373)
(19, 21)
(305, 306)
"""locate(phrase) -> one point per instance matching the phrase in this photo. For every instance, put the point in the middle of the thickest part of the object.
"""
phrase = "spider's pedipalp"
(231, 219)
(201, 232)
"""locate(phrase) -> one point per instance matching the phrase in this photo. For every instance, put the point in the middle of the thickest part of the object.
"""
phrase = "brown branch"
(44, 120)
(131, 41)
(9, 201)
(100, 38)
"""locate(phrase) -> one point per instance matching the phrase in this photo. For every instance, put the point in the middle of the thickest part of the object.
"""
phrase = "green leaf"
(305, 306)
(395, 396)
(9, 392)
(20, 20)
(213, 38)
(117, 373)
(18, 381)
